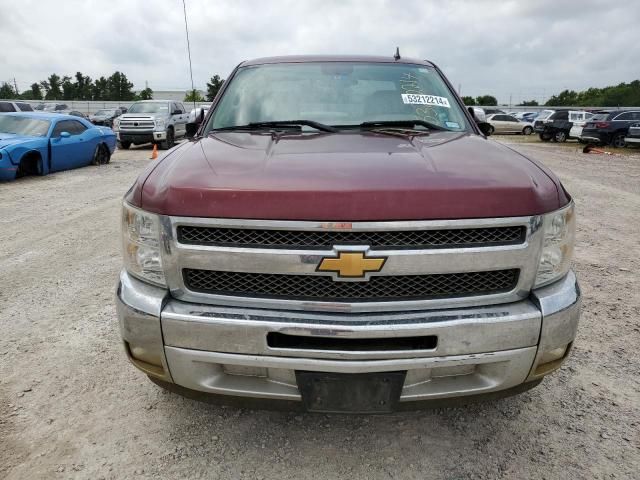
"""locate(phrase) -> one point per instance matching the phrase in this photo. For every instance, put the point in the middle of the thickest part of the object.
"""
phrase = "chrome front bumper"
(150, 134)
(224, 350)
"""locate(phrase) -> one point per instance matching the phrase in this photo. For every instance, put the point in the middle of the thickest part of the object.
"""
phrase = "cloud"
(516, 49)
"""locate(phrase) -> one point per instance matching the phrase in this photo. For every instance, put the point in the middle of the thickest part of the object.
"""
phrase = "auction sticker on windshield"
(409, 99)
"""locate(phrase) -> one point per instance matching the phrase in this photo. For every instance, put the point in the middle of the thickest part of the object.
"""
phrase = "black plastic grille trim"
(302, 342)
(323, 288)
(392, 239)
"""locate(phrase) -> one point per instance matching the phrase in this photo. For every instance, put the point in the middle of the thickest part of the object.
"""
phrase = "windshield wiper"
(401, 124)
(282, 124)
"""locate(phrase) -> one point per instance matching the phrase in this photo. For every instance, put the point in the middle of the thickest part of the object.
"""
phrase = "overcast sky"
(528, 49)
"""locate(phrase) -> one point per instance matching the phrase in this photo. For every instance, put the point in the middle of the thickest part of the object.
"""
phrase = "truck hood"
(359, 176)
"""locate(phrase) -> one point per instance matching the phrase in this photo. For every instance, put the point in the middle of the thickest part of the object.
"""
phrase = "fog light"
(145, 360)
(552, 355)
(144, 355)
(551, 360)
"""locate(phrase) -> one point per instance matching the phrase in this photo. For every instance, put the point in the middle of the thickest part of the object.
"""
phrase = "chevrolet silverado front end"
(341, 236)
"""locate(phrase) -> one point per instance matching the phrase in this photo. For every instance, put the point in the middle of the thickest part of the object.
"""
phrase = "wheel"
(617, 140)
(491, 130)
(124, 145)
(169, 142)
(527, 131)
(545, 137)
(560, 136)
(101, 156)
(31, 164)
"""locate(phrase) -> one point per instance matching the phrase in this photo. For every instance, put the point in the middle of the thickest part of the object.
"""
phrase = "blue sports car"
(39, 143)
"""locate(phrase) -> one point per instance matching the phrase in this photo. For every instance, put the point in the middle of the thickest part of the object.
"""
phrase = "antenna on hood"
(396, 56)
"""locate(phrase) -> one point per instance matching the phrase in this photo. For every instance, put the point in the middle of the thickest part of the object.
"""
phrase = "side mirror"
(478, 114)
(485, 128)
(65, 134)
(192, 129)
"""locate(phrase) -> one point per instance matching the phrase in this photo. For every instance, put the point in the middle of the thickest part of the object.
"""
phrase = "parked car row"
(160, 122)
(561, 125)
(600, 127)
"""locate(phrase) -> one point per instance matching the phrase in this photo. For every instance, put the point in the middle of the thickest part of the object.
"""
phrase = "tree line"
(622, 95)
(116, 87)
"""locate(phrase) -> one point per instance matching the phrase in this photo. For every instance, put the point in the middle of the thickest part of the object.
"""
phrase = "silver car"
(503, 123)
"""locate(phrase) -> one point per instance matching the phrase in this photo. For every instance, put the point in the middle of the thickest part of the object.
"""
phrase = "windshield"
(105, 113)
(23, 126)
(151, 107)
(342, 94)
(545, 114)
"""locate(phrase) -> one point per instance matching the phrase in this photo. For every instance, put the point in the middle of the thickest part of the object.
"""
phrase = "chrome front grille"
(399, 239)
(276, 264)
(382, 288)
(143, 123)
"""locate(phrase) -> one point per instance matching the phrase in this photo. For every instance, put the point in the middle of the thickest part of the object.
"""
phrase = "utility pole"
(186, 29)
(16, 86)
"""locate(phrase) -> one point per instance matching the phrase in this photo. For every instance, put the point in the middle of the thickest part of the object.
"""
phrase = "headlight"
(159, 123)
(557, 250)
(141, 245)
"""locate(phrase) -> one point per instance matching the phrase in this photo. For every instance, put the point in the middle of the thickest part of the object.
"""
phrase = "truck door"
(180, 118)
(73, 151)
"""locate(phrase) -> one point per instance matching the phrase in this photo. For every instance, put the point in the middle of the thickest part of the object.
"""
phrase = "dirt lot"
(72, 407)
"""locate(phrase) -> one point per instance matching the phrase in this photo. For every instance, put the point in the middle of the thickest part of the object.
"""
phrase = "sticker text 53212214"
(409, 99)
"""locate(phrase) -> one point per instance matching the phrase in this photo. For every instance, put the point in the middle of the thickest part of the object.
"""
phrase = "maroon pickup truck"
(339, 236)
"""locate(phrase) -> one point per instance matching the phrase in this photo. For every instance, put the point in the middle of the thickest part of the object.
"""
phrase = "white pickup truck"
(151, 121)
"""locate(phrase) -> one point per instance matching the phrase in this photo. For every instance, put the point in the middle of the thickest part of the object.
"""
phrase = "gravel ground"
(72, 407)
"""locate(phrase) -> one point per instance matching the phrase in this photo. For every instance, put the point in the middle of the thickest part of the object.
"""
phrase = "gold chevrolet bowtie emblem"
(351, 264)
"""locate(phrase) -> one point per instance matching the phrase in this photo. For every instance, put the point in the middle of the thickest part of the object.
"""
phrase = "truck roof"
(334, 58)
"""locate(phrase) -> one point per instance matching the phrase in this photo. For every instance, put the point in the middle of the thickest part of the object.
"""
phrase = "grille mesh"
(394, 239)
(378, 288)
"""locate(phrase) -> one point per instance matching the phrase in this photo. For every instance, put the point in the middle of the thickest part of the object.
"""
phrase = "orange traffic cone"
(154, 154)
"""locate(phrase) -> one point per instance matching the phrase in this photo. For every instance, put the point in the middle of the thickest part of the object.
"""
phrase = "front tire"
(527, 131)
(545, 137)
(169, 142)
(31, 164)
(560, 137)
(124, 145)
(102, 156)
(492, 130)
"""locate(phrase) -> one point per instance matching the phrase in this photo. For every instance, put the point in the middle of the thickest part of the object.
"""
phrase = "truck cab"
(340, 236)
